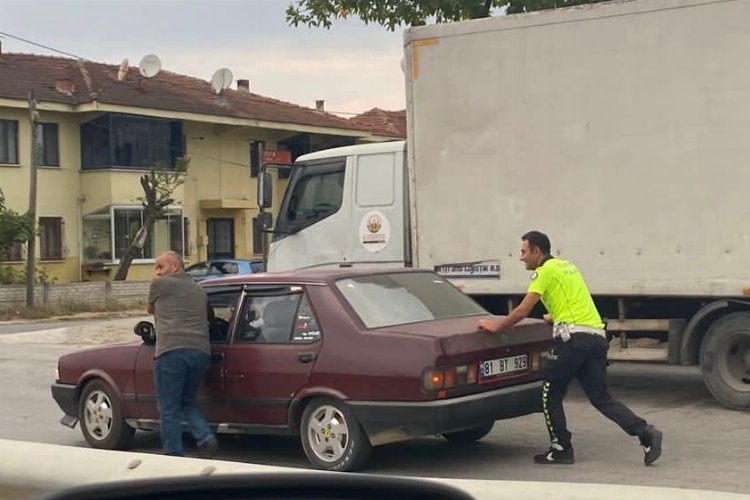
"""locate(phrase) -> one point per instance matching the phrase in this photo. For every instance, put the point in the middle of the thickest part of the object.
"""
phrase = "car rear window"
(388, 299)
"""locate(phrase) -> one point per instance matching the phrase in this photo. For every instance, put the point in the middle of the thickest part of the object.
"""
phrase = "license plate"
(503, 366)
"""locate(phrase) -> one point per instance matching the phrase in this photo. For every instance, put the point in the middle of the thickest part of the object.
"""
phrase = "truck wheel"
(332, 437)
(102, 422)
(725, 360)
(469, 435)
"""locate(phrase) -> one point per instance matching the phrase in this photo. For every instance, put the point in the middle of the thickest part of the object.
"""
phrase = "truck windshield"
(382, 300)
(315, 192)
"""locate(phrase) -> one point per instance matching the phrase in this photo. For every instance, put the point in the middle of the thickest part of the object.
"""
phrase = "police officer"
(580, 350)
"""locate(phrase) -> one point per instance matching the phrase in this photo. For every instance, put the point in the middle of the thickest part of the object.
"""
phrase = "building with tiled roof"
(100, 128)
(383, 124)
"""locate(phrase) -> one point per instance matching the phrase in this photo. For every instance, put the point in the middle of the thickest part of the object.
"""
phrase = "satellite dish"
(150, 66)
(64, 86)
(123, 71)
(221, 80)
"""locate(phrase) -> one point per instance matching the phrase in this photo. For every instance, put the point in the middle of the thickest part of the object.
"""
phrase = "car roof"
(253, 261)
(306, 276)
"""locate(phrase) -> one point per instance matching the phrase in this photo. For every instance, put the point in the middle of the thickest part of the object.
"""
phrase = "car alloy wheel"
(102, 421)
(97, 416)
(332, 437)
(328, 433)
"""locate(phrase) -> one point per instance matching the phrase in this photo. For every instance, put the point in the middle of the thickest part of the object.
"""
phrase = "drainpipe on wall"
(79, 211)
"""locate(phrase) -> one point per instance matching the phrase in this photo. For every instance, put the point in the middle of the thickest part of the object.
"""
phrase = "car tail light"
(432, 380)
(536, 361)
(448, 377)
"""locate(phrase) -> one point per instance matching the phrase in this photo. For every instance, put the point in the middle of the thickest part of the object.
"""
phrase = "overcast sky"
(352, 66)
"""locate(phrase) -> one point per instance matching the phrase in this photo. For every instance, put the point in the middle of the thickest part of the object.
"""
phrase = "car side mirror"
(147, 331)
(265, 189)
(265, 221)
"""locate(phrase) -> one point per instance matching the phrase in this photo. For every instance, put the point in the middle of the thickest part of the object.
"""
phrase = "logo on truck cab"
(374, 231)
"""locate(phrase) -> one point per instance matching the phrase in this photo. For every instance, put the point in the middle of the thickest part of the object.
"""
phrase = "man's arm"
(517, 314)
(153, 294)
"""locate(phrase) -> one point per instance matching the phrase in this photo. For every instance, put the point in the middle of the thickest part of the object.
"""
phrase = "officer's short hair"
(538, 240)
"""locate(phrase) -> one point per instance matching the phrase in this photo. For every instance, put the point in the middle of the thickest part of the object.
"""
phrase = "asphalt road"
(705, 445)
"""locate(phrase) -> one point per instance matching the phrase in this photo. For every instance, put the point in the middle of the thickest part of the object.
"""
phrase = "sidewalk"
(113, 328)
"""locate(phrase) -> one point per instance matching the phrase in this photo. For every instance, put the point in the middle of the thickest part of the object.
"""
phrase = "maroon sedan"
(345, 359)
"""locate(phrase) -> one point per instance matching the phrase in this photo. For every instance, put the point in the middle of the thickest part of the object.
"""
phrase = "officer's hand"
(548, 318)
(487, 325)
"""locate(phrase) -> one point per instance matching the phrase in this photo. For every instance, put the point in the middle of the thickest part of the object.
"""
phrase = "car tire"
(102, 422)
(469, 435)
(332, 437)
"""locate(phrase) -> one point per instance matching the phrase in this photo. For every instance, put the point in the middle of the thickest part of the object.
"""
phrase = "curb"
(103, 315)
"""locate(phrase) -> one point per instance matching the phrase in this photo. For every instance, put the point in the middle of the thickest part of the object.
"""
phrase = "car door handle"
(306, 357)
(217, 357)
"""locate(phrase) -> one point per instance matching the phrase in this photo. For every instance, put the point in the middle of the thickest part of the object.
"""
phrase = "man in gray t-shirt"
(182, 355)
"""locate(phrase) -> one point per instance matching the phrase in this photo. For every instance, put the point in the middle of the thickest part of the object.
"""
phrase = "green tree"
(14, 227)
(392, 13)
(158, 191)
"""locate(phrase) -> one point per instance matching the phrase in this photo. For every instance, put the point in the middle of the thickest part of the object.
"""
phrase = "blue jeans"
(177, 376)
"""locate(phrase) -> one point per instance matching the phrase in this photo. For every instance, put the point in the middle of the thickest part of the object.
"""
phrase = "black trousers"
(583, 357)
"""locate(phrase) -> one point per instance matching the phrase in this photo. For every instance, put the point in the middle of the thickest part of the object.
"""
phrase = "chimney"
(320, 105)
(243, 86)
(1, 46)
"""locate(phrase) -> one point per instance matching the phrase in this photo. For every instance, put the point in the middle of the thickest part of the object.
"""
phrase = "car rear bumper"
(65, 397)
(392, 421)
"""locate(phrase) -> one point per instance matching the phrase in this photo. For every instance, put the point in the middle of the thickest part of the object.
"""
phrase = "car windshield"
(212, 269)
(382, 300)
(225, 267)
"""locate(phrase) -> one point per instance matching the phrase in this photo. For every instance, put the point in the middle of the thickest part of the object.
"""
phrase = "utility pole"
(31, 244)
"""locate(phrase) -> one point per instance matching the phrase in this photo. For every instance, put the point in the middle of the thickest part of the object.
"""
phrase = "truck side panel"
(620, 129)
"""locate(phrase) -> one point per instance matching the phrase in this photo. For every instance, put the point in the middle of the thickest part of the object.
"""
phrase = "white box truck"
(621, 129)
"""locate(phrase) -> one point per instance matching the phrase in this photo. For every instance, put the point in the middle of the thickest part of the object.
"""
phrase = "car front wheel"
(102, 421)
(332, 437)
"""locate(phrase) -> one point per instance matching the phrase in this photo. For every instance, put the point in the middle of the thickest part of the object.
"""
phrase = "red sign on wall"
(275, 157)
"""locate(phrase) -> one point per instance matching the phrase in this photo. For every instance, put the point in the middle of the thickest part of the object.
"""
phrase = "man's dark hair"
(538, 240)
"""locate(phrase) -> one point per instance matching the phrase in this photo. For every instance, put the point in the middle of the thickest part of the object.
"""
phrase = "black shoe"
(208, 449)
(651, 442)
(556, 455)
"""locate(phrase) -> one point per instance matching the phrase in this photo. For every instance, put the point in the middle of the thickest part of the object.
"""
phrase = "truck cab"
(344, 207)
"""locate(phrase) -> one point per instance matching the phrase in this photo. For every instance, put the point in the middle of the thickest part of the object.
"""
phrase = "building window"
(186, 236)
(51, 238)
(127, 141)
(127, 222)
(257, 238)
(47, 145)
(9, 142)
(15, 253)
(256, 157)
(107, 235)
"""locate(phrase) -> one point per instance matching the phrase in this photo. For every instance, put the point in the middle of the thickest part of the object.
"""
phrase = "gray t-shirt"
(180, 310)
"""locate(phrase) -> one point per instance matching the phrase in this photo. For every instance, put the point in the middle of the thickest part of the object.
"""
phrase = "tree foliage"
(14, 227)
(393, 13)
